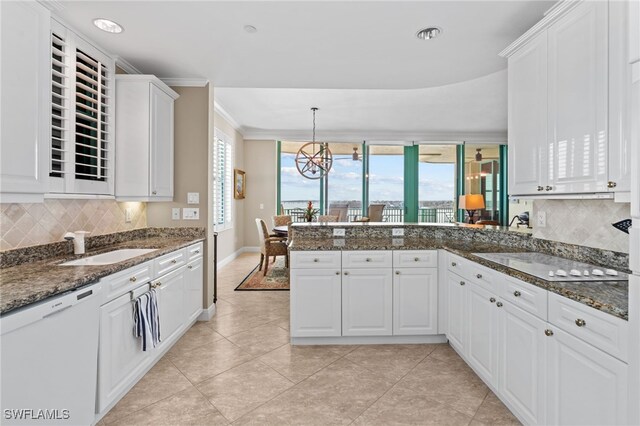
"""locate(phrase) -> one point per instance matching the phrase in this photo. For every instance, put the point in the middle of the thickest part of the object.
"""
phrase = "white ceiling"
(359, 56)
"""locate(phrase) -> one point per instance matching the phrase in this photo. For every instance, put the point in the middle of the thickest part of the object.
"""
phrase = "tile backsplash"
(583, 222)
(23, 225)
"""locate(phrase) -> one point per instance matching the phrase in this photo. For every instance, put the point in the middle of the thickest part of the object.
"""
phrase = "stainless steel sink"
(108, 258)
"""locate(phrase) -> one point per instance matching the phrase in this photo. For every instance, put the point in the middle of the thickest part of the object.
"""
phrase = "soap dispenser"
(78, 240)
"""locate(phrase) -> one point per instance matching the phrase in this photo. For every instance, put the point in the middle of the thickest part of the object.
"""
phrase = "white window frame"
(68, 184)
(222, 188)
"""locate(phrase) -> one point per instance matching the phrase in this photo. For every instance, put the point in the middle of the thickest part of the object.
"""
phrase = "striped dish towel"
(146, 321)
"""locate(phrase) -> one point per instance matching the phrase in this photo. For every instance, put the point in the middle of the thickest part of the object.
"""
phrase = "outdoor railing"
(390, 214)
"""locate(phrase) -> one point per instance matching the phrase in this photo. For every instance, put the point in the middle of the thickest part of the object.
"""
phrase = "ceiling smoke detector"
(429, 33)
(250, 29)
(108, 25)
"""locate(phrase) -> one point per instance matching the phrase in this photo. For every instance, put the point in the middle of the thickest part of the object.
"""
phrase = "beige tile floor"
(239, 368)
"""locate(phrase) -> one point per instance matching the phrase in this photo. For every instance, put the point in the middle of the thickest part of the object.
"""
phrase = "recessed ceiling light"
(108, 25)
(250, 29)
(429, 33)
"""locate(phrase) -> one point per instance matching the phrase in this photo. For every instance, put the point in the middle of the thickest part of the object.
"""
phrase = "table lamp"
(471, 203)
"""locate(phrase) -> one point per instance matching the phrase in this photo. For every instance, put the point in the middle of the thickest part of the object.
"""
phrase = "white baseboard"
(370, 340)
(208, 313)
(237, 253)
(251, 249)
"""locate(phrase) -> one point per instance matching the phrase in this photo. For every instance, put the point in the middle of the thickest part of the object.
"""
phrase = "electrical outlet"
(397, 241)
(261, 206)
(338, 242)
(175, 214)
(338, 232)
(193, 198)
(397, 232)
(191, 214)
(541, 219)
(128, 212)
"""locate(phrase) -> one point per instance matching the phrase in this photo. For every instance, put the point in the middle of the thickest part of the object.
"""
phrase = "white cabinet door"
(316, 303)
(527, 118)
(194, 281)
(415, 301)
(121, 359)
(367, 302)
(522, 361)
(457, 312)
(482, 341)
(171, 296)
(25, 104)
(577, 108)
(161, 129)
(585, 386)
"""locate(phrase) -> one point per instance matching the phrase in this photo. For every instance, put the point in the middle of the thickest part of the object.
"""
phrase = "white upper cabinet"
(568, 103)
(24, 119)
(144, 138)
(577, 105)
(527, 120)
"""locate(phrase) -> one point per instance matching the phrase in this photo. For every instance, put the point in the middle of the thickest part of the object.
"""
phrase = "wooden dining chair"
(270, 246)
(327, 218)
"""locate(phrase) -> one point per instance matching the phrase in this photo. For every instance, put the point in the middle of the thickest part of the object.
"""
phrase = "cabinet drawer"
(315, 259)
(525, 296)
(124, 281)
(195, 251)
(415, 258)
(367, 259)
(458, 265)
(169, 262)
(604, 331)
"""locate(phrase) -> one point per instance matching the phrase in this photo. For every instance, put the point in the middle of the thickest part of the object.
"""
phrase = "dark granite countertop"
(611, 297)
(34, 281)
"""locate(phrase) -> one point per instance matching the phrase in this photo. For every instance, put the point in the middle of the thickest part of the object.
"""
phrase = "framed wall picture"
(239, 184)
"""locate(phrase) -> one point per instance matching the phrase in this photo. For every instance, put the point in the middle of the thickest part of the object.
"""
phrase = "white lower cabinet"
(522, 363)
(482, 335)
(585, 386)
(316, 296)
(194, 279)
(171, 304)
(415, 301)
(456, 312)
(367, 302)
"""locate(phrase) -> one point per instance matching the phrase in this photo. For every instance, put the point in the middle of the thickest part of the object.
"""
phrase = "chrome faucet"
(78, 240)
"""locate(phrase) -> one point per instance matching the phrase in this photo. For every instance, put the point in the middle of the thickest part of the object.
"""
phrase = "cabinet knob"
(540, 188)
(368, 259)
(346, 273)
(549, 188)
(316, 260)
(156, 285)
(453, 263)
(499, 304)
(478, 276)
(190, 266)
(337, 272)
(174, 261)
(416, 259)
(133, 279)
(580, 322)
(197, 251)
(397, 272)
(462, 283)
(548, 332)
(611, 184)
(492, 299)
(154, 192)
(517, 293)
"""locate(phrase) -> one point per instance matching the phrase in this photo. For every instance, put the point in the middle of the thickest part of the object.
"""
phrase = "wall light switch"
(541, 219)
(128, 212)
(397, 232)
(193, 198)
(338, 232)
(191, 213)
(175, 214)
(261, 206)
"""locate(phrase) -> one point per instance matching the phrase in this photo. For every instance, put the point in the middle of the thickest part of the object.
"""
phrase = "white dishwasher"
(49, 358)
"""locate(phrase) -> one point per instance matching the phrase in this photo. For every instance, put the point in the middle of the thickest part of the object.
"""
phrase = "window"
(81, 151)
(222, 181)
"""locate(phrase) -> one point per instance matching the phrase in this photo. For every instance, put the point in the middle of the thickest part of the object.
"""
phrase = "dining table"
(281, 231)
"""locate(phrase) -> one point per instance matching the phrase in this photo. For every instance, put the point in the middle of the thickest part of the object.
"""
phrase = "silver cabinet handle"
(346, 273)
(453, 263)
(611, 184)
(416, 259)
(493, 299)
(133, 279)
(368, 259)
(154, 192)
(540, 188)
(190, 266)
(337, 272)
(499, 304)
(517, 293)
(174, 261)
(478, 276)
(548, 332)
(580, 322)
(197, 251)
(316, 260)
(462, 283)
(549, 188)
(397, 272)
(156, 285)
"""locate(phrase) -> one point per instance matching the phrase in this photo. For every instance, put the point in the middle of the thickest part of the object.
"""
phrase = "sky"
(386, 180)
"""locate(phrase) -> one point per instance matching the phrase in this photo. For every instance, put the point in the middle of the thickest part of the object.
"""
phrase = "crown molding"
(185, 82)
(375, 136)
(556, 12)
(52, 5)
(229, 119)
(126, 65)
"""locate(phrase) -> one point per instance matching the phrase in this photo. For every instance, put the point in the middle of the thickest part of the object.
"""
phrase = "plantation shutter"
(59, 104)
(222, 182)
